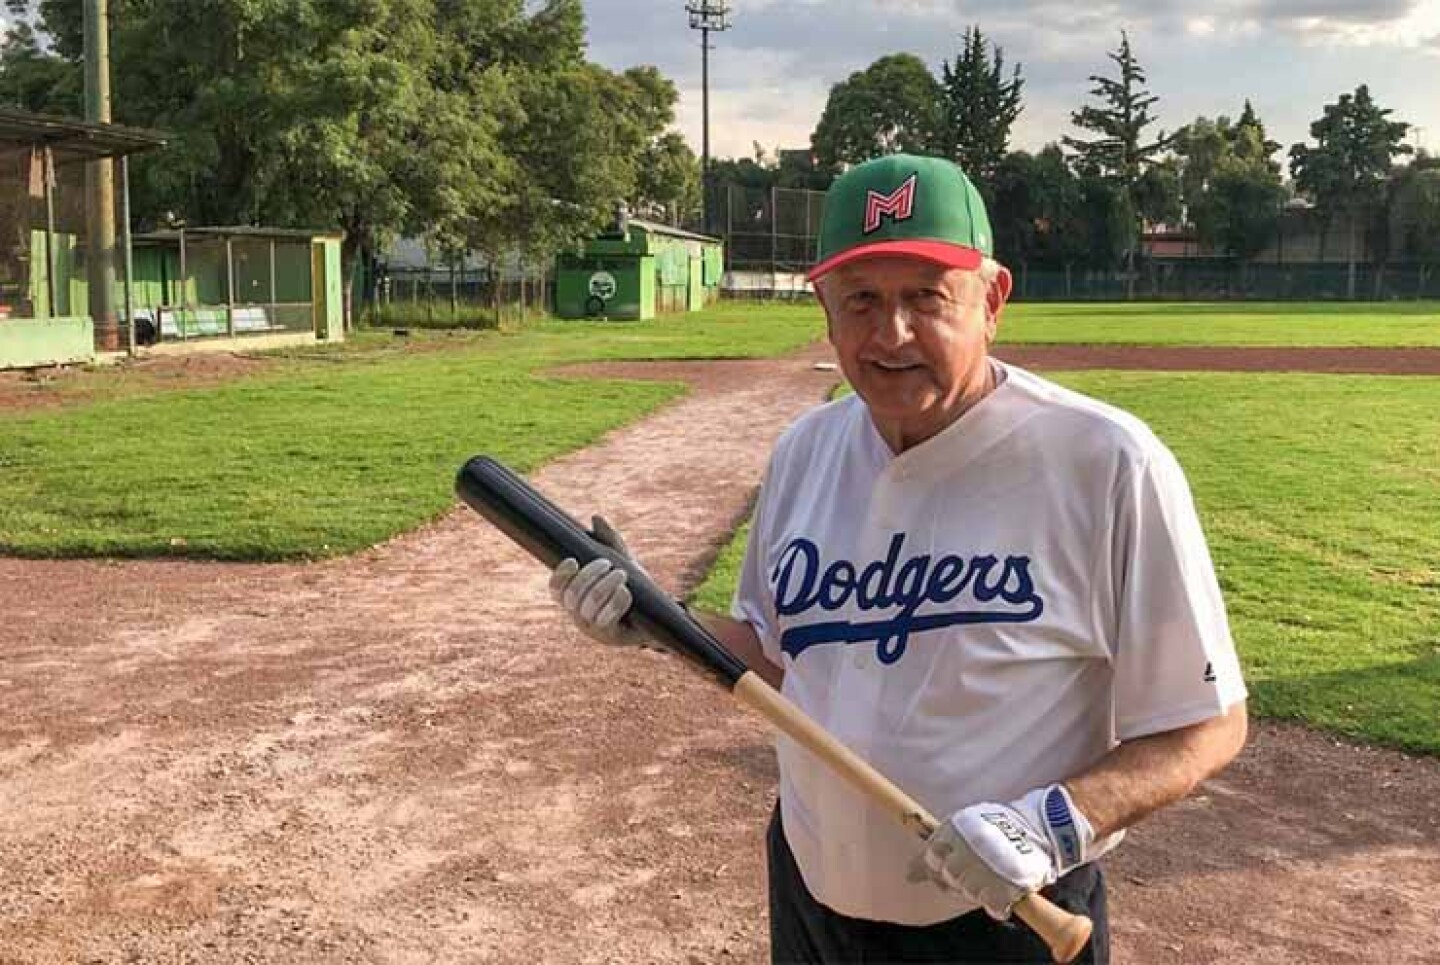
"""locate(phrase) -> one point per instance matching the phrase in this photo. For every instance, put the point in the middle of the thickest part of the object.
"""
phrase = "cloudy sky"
(771, 72)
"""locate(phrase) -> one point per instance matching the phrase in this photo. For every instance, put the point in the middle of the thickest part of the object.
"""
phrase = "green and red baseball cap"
(903, 204)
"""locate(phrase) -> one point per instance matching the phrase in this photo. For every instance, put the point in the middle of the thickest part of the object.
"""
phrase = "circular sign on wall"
(602, 285)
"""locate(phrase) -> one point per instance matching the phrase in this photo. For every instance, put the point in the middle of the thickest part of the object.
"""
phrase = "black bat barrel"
(550, 535)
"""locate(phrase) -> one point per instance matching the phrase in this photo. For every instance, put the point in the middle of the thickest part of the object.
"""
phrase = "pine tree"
(1120, 152)
(981, 105)
(1122, 155)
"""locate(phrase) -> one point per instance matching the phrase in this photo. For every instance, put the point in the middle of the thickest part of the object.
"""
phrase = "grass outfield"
(1397, 324)
(338, 448)
(1225, 323)
(1320, 496)
(1318, 324)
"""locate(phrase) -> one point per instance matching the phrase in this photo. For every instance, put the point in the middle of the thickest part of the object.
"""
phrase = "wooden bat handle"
(1064, 933)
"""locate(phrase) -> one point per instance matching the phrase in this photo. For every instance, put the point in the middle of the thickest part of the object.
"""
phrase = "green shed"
(44, 291)
(637, 271)
(238, 281)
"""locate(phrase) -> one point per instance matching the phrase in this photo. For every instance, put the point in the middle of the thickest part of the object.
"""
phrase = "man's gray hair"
(990, 270)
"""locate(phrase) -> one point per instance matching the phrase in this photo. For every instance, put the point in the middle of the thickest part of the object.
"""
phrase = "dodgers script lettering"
(993, 592)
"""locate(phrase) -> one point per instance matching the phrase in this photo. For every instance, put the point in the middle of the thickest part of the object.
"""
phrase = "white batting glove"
(996, 854)
(595, 595)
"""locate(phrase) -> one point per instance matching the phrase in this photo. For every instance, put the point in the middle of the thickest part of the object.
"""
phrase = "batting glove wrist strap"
(1052, 811)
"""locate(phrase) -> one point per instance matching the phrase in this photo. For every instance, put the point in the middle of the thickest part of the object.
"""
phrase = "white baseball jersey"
(990, 611)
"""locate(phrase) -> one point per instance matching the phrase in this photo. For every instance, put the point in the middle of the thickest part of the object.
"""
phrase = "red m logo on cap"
(897, 204)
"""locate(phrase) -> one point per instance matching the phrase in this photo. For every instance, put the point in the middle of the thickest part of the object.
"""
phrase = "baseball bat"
(550, 535)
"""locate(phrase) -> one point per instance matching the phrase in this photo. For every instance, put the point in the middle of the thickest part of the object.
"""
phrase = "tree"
(475, 123)
(1107, 223)
(1347, 169)
(1122, 154)
(1416, 209)
(1231, 184)
(670, 178)
(32, 80)
(892, 106)
(980, 105)
(1200, 145)
(1037, 216)
(1156, 194)
(1240, 209)
(306, 113)
(1250, 141)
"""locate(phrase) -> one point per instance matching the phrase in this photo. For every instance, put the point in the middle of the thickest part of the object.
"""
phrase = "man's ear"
(995, 300)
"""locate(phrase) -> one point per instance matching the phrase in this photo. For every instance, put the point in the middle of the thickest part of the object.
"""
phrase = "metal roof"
(655, 228)
(70, 136)
(237, 231)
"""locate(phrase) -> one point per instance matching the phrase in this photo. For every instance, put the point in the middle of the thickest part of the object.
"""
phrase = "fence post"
(126, 241)
(229, 287)
(184, 288)
(774, 227)
(1350, 273)
(53, 308)
(808, 222)
(729, 206)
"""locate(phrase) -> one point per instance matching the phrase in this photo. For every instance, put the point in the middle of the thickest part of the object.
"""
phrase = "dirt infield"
(1207, 358)
(407, 756)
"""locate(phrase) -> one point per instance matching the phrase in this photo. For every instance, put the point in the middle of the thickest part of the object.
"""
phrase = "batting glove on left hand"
(595, 595)
(996, 854)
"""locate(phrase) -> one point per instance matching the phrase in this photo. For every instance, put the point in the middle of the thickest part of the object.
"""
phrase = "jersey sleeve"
(1174, 658)
(754, 600)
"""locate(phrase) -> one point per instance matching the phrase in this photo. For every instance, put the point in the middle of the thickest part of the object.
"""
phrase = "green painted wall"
(697, 285)
(654, 274)
(646, 279)
(26, 342)
(332, 322)
(63, 334)
(579, 278)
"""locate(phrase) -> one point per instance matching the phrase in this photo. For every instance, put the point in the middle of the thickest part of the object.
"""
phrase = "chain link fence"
(1198, 279)
(469, 297)
(770, 229)
(771, 238)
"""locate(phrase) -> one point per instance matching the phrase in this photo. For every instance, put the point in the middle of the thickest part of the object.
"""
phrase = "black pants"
(805, 932)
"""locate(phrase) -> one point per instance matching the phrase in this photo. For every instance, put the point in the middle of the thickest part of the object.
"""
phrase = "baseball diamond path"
(406, 756)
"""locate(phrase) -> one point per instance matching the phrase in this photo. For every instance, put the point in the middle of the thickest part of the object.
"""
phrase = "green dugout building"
(637, 271)
(174, 285)
(44, 294)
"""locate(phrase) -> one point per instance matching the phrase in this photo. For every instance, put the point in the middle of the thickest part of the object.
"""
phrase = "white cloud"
(1411, 29)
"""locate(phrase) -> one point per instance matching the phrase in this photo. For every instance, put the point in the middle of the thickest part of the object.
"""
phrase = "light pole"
(100, 179)
(705, 16)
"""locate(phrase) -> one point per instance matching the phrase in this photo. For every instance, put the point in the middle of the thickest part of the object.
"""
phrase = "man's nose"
(894, 327)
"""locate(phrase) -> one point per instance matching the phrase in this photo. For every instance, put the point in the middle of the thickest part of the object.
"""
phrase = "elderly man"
(992, 588)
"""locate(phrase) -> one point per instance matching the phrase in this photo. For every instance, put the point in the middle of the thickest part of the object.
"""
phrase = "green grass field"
(1321, 494)
(339, 447)
(1321, 500)
(1316, 324)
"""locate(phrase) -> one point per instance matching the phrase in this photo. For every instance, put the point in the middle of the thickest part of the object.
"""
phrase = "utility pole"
(100, 180)
(705, 16)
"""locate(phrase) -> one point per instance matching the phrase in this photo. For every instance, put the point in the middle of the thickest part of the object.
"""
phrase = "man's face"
(912, 338)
